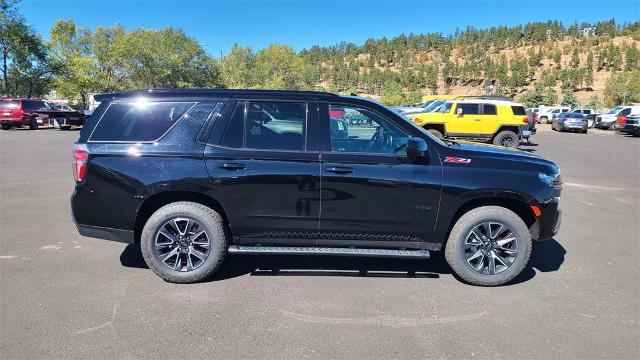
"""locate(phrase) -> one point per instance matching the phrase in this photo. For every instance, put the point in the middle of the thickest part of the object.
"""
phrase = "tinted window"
(469, 109)
(33, 105)
(275, 125)
(146, 121)
(625, 112)
(364, 131)
(489, 109)
(234, 134)
(518, 110)
(7, 104)
(572, 116)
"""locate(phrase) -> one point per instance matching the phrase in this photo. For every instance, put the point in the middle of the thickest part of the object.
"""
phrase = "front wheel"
(488, 246)
(184, 242)
(507, 139)
(6, 126)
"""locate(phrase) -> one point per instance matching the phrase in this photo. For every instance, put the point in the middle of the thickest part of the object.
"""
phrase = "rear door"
(265, 170)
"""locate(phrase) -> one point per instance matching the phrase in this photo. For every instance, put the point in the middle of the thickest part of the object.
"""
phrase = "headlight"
(547, 179)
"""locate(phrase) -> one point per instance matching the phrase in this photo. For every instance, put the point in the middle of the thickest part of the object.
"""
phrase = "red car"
(33, 113)
(21, 112)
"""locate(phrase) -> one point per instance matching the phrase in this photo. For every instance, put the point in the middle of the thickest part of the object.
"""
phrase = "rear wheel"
(33, 124)
(184, 242)
(6, 126)
(488, 246)
(543, 120)
(507, 139)
(436, 133)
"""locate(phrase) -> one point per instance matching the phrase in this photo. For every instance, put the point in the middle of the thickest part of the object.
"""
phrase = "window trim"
(143, 141)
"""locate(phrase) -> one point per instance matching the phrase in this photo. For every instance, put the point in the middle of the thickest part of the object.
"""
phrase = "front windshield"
(433, 105)
(614, 110)
(444, 108)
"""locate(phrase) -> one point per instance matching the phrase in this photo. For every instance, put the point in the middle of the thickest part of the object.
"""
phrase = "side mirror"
(459, 112)
(416, 149)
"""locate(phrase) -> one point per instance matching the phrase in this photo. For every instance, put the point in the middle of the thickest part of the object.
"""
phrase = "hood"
(489, 156)
(488, 149)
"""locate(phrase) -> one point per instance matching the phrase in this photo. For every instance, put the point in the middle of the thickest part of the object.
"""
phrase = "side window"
(625, 112)
(234, 134)
(275, 125)
(489, 109)
(518, 110)
(469, 109)
(146, 121)
(360, 130)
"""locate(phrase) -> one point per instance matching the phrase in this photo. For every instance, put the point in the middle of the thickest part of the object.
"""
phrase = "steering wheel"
(380, 140)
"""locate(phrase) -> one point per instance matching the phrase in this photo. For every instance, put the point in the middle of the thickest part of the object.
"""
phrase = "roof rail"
(485, 97)
(210, 92)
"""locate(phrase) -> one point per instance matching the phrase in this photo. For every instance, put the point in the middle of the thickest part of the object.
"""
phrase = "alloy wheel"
(490, 248)
(182, 244)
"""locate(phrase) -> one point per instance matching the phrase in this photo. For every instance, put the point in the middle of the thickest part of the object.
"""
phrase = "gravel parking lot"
(65, 296)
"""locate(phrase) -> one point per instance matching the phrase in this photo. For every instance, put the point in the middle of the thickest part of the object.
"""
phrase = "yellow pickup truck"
(501, 122)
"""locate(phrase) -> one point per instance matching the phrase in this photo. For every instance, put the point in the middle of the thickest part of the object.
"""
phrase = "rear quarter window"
(518, 110)
(138, 121)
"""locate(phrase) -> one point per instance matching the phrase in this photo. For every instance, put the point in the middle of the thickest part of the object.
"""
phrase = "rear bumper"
(629, 129)
(12, 121)
(118, 235)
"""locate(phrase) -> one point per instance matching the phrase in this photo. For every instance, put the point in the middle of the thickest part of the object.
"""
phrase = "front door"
(472, 122)
(370, 192)
(266, 173)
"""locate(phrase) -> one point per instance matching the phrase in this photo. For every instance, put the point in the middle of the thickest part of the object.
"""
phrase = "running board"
(300, 250)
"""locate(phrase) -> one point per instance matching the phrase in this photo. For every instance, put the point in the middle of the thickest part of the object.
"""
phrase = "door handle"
(476, 119)
(340, 170)
(232, 166)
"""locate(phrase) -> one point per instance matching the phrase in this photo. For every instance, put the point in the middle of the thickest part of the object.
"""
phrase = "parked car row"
(35, 113)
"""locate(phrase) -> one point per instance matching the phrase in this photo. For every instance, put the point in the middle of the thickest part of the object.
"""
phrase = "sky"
(302, 24)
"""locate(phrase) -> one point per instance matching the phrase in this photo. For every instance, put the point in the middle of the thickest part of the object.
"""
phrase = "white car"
(608, 119)
(546, 114)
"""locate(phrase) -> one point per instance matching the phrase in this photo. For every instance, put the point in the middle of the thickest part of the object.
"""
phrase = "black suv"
(192, 175)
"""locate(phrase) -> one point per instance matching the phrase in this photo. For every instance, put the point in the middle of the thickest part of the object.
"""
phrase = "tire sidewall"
(455, 246)
(217, 238)
(504, 134)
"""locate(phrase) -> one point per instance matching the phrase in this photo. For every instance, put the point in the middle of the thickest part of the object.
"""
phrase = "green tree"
(632, 59)
(237, 67)
(569, 98)
(533, 97)
(519, 74)
(279, 67)
(593, 103)
(26, 71)
(432, 78)
(575, 58)
(622, 89)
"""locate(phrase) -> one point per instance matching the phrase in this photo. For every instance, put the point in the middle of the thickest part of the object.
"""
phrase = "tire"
(33, 124)
(6, 126)
(507, 138)
(198, 214)
(543, 120)
(436, 133)
(65, 127)
(457, 254)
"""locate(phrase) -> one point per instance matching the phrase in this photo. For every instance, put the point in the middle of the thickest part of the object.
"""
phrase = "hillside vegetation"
(538, 63)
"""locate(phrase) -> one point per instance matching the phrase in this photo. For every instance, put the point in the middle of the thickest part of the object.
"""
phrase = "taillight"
(622, 120)
(525, 120)
(535, 118)
(80, 158)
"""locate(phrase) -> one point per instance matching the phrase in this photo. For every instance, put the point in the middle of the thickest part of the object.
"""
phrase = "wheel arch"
(518, 206)
(514, 128)
(158, 200)
(439, 126)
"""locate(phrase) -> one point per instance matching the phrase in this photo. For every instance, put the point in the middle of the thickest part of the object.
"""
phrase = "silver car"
(570, 121)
